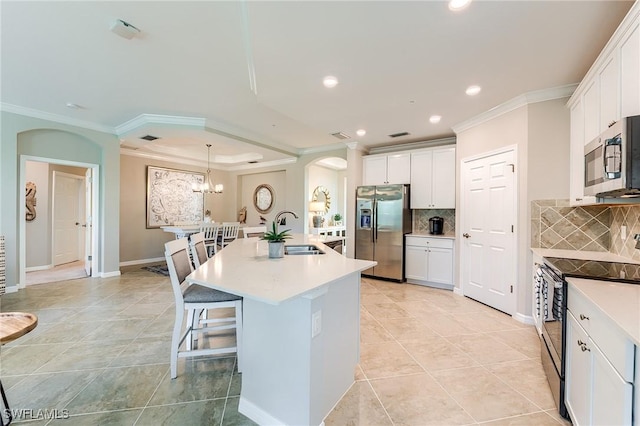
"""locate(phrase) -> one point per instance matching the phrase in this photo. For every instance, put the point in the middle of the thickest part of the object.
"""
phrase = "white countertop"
(426, 234)
(244, 268)
(619, 301)
(603, 256)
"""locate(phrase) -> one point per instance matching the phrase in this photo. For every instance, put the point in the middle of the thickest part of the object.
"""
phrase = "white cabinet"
(386, 169)
(609, 85)
(576, 150)
(591, 105)
(429, 261)
(433, 179)
(630, 72)
(600, 364)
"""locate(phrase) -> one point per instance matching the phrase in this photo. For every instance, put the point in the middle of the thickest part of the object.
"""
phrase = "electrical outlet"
(623, 232)
(316, 323)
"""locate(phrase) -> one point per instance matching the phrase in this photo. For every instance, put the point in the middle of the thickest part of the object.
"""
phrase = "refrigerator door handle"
(375, 220)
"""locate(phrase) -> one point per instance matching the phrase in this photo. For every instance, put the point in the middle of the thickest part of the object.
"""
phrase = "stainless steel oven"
(553, 313)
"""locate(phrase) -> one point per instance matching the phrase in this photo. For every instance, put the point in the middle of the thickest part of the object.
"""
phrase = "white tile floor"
(101, 352)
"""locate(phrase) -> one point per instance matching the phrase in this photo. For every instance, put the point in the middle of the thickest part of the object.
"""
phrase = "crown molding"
(410, 146)
(61, 119)
(515, 103)
(155, 119)
(201, 163)
(322, 148)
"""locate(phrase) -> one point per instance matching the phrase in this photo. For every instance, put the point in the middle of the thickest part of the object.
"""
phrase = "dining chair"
(228, 233)
(210, 237)
(198, 248)
(194, 299)
(254, 231)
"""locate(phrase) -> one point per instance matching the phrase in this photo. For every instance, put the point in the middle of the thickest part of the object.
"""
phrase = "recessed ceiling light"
(330, 81)
(435, 119)
(361, 132)
(457, 5)
(473, 90)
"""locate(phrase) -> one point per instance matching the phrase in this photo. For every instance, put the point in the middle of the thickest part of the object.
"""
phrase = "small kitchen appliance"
(436, 225)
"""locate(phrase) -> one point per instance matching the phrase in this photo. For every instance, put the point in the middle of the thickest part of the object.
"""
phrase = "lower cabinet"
(429, 261)
(596, 392)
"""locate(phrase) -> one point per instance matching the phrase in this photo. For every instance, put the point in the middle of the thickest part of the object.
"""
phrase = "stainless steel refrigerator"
(382, 219)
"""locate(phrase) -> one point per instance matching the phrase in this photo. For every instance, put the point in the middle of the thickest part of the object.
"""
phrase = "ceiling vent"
(149, 138)
(341, 135)
(397, 135)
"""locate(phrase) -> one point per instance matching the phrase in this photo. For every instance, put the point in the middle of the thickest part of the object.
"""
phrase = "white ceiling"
(187, 77)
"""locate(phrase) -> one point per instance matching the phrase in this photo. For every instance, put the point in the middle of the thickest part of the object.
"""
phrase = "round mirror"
(263, 198)
(321, 194)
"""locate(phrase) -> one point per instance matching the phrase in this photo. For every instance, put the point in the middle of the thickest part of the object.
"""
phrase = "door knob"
(466, 235)
(77, 223)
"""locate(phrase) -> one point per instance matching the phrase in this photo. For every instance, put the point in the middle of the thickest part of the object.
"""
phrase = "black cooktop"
(593, 269)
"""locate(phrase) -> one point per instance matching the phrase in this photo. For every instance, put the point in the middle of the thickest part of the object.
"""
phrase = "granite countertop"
(618, 301)
(244, 268)
(603, 256)
(447, 235)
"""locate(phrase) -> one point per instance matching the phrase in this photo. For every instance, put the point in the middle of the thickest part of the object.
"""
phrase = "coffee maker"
(436, 225)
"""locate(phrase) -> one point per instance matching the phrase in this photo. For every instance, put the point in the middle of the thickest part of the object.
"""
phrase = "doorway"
(69, 238)
(488, 213)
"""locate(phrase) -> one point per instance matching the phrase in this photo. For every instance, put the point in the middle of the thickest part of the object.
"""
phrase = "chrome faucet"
(283, 221)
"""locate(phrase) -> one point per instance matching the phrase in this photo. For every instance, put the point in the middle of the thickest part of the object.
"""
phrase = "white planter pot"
(276, 250)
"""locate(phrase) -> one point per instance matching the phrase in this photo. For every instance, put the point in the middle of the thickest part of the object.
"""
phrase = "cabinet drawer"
(430, 242)
(616, 347)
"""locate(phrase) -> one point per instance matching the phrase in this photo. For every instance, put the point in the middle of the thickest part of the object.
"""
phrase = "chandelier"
(207, 186)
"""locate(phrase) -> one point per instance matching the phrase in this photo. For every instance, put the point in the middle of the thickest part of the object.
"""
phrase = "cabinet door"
(630, 73)
(612, 395)
(421, 180)
(578, 383)
(415, 265)
(576, 158)
(609, 92)
(399, 168)
(440, 265)
(444, 179)
(374, 170)
(591, 103)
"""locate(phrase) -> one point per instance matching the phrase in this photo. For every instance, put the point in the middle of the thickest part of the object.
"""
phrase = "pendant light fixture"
(208, 187)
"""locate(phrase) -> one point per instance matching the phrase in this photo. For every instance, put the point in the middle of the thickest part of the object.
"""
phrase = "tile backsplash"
(554, 224)
(421, 219)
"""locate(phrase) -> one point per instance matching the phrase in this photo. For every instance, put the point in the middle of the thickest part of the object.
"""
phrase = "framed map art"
(170, 197)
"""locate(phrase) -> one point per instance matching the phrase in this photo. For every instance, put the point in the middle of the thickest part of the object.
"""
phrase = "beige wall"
(137, 243)
(332, 180)
(38, 230)
(540, 134)
(247, 187)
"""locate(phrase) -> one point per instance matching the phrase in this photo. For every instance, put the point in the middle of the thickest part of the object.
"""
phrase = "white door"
(67, 233)
(488, 261)
(88, 220)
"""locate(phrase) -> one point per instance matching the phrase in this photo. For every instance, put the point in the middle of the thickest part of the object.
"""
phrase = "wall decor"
(321, 194)
(170, 197)
(31, 201)
(264, 198)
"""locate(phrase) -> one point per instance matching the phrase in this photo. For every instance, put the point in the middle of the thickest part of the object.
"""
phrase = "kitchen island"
(301, 313)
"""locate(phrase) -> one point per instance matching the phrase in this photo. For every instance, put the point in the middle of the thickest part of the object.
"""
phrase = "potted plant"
(276, 240)
(337, 219)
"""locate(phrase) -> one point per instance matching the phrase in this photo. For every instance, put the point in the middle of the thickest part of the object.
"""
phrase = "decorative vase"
(276, 249)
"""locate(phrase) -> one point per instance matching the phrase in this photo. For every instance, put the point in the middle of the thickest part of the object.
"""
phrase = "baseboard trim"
(458, 291)
(525, 319)
(256, 414)
(38, 268)
(110, 274)
(141, 261)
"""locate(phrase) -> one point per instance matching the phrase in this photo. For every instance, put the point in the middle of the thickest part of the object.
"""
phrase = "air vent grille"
(149, 138)
(340, 135)
(397, 135)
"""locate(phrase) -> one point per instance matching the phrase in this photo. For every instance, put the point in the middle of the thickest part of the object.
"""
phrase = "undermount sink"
(303, 249)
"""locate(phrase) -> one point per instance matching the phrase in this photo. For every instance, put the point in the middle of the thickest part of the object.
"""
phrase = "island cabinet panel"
(295, 371)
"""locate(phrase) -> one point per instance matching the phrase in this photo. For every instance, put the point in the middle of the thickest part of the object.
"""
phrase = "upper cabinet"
(610, 91)
(433, 179)
(386, 169)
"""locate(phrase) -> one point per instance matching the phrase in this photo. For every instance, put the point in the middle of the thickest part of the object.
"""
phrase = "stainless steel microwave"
(612, 161)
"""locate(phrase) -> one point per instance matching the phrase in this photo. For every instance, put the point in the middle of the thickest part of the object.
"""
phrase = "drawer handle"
(584, 317)
(585, 348)
(580, 342)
